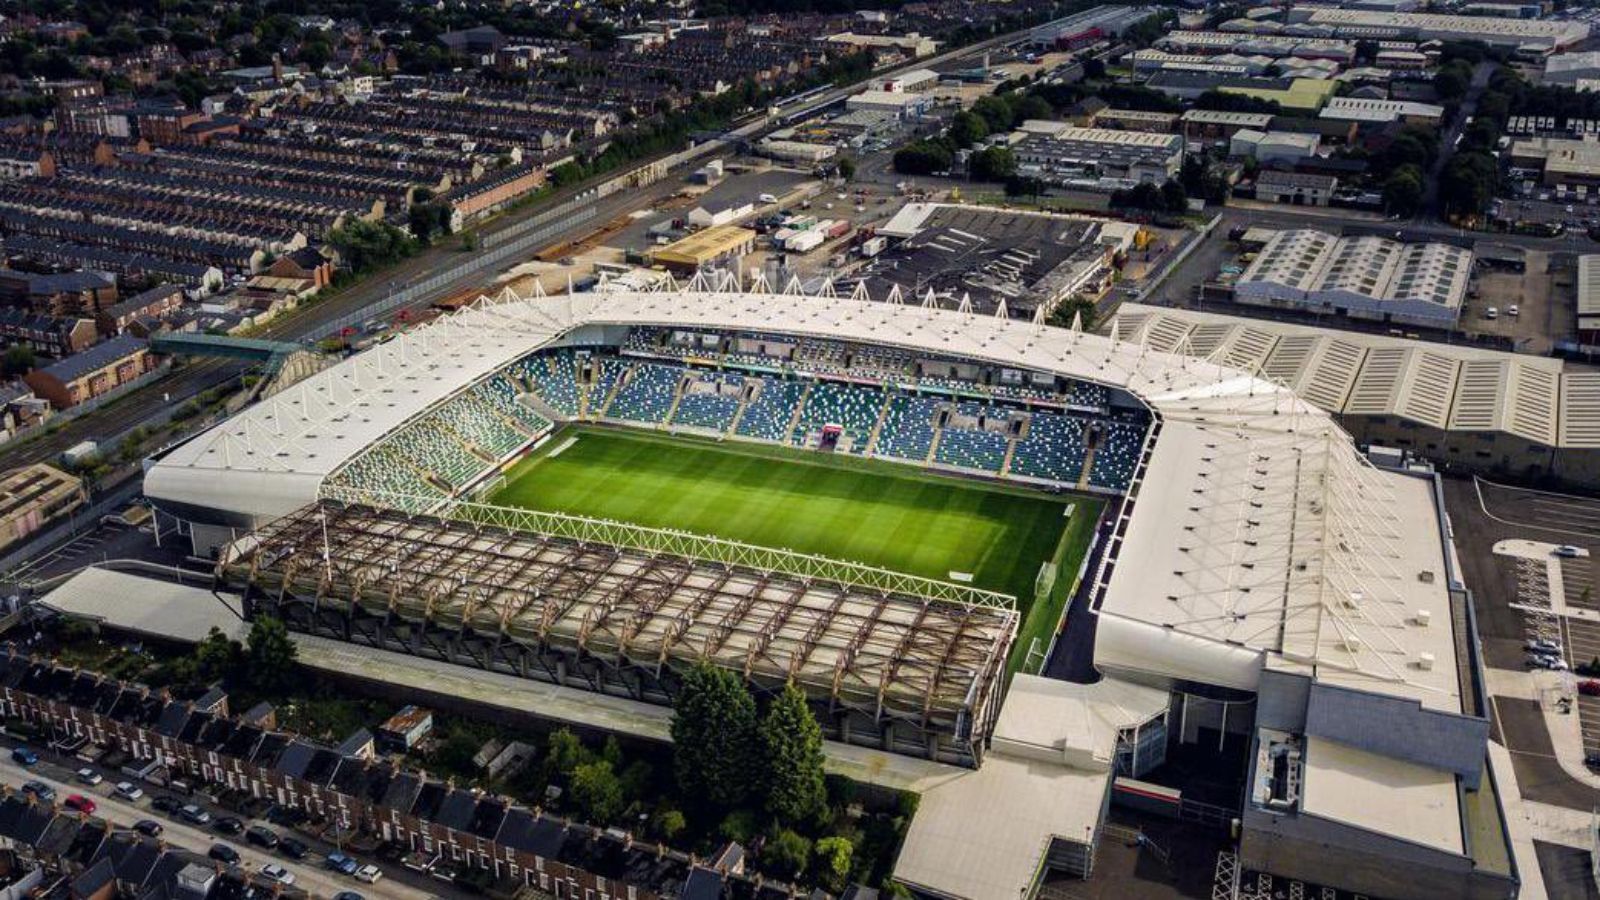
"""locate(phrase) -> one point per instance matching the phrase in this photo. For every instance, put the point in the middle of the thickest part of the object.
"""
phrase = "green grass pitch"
(877, 513)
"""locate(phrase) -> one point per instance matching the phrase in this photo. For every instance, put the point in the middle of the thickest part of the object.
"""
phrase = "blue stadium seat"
(768, 414)
(907, 431)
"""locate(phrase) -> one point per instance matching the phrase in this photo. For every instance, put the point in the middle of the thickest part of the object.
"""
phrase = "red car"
(1590, 688)
(79, 803)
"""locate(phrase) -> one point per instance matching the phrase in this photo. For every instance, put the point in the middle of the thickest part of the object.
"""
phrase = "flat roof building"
(1544, 35)
(1363, 277)
(34, 497)
(1382, 112)
(1589, 298)
(1058, 151)
(706, 248)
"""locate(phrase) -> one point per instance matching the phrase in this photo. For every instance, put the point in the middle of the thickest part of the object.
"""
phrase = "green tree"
(967, 129)
(787, 853)
(833, 861)
(669, 823)
(992, 164)
(995, 111)
(217, 656)
(564, 752)
(714, 737)
(923, 158)
(18, 360)
(791, 753)
(847, 168)
(1174, 198)
(1402, 191)
(270, 655)
(1452, 80)
(597, 791)
(1467, 183)
(1032, 107)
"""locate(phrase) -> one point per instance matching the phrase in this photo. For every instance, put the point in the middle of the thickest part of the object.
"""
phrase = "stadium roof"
(1293, 545)
(1445, 386)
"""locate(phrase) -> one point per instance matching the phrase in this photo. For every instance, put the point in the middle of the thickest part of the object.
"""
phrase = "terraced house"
(196, 739)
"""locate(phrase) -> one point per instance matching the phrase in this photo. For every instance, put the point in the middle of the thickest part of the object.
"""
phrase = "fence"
(506, 244)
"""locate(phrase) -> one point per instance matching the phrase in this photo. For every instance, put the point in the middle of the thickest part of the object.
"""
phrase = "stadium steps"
(877, 426)
(537, 404)
(616, 388)
(933, 447)
(794, 417)
(1011, 450)
(1088, 466)
(677, 398)
(744, 404)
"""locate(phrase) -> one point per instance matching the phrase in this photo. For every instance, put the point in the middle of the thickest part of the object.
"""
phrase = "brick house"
(92, 373)
(196, 744)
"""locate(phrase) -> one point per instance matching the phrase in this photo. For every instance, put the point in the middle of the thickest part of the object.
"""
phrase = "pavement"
(309, 874)
(510, 695)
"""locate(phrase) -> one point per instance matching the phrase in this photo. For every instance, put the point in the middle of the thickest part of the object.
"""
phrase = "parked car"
(340, 863)
(369, 873)
(223, 853)
(89, 776)
(127, 790)
(1566, 550)
(1589, 688)
(348, 895)
(149, 827)
(228, 825)
(261, 836)
(1592, 760)
(79, 803)
(293, 848)
(42, 792)
(1543, 646)
(277, 873)
(166, 804)
(194, 815)
(22, 756)
(1513, 310)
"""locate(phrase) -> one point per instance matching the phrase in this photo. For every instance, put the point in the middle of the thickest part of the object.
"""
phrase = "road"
(154, 403)
(308, 876)
(1469, 104)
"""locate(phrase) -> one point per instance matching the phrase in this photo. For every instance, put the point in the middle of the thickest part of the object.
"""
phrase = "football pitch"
(877, 513)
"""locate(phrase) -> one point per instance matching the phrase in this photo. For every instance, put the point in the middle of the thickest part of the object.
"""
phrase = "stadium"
(888, 503)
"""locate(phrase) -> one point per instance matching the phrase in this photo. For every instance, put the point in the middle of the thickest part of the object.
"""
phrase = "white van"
(767, 198)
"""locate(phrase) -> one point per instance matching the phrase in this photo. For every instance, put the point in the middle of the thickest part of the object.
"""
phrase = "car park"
(79, 803)
(127, 790)
(89, 776)
(149, 827)
(223, 853)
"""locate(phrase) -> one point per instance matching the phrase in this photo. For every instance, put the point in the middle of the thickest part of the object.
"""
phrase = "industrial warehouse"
(1363, 277)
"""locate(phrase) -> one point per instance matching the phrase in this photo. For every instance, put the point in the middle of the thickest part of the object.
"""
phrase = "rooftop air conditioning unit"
(1425, 661)
(1352, 642)
(1423, 617)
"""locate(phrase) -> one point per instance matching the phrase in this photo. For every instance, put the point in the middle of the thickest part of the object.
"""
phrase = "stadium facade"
(1259, 581)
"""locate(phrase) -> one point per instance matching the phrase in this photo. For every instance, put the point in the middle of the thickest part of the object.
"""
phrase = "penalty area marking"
(561, 447)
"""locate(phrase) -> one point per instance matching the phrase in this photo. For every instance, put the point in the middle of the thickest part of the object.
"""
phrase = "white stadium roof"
(1259, 529)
